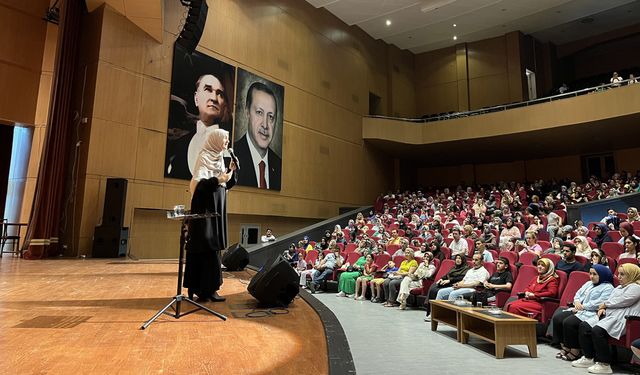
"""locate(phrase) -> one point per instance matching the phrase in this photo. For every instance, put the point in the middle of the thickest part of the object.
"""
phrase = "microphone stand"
(177, 300)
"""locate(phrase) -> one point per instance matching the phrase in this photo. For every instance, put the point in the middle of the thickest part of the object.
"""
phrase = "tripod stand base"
(175, 305)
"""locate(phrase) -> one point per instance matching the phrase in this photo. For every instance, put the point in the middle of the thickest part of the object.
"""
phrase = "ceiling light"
(455, 37)
(454, 25)
(388, 22)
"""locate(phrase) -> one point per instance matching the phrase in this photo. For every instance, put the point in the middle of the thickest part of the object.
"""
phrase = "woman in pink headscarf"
(213, 176)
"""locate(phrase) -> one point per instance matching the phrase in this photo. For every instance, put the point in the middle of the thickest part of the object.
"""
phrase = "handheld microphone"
(234, 158)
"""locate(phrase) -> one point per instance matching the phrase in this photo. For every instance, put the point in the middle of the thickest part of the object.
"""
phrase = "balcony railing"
(505, 107)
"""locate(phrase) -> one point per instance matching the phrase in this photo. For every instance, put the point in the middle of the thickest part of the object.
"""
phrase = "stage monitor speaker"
(194, 25)
(115, 199)
(110, 242)
(276, 285)
(235, 258)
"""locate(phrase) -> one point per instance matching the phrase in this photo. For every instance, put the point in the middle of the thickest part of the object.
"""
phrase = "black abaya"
(207, 237)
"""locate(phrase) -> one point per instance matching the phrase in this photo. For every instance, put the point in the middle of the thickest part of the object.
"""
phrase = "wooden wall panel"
(22, 37)
(628, 160)
(402, 87)
(488, 91)
(559, 168)
(490, 173)
(153, 236)
(117, 94)
(149, 149)
(18, 105)
(154, 108)
(446, 176)
(437, 99)
(112, 149)
(279, 225)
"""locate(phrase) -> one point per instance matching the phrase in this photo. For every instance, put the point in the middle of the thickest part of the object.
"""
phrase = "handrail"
(504, 107)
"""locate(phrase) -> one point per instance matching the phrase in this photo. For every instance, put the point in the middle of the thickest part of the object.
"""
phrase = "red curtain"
(44, 223)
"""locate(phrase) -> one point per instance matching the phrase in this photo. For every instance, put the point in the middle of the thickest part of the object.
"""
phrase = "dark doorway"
(602, 166)
(375, 104)
(6, 143)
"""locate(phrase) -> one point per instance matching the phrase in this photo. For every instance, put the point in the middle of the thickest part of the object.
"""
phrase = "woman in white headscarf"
(213, 176)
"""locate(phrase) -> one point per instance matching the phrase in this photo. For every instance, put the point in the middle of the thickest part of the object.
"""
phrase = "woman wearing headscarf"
(582, 246)
(454, 275)
(602, 234)
(488, 238)
(509, 234)
(624, 301)
(213, 176)
(626, 229)
(632, 214)
(543, 285)
(425, 270)
(564, 324)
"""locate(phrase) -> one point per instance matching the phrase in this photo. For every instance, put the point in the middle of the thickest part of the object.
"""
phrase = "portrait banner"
(202, 95)
(258, 131)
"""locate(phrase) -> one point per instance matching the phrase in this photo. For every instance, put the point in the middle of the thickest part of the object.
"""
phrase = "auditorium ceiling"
(427, 25)
(586, 138)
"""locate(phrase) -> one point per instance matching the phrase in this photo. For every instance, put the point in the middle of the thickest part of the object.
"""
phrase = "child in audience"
(376, 284)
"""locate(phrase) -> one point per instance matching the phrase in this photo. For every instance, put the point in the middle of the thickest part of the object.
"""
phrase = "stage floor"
(83, 317)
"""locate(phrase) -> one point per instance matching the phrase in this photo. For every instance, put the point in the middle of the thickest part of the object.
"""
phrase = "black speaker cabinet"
(276, 285)
(115, 199)
(235, 258)
(194, 25)
(110, 242)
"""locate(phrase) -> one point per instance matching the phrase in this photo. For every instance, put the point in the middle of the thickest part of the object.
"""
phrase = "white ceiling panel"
(428, 24)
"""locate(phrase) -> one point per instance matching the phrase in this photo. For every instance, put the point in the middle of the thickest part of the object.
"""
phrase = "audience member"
(456, 274)
(332, 261)
(474, 277)
(531, 245)
(602, 234)
(392, 283)
(368, 271)
(267, 237)
(309, 272)
(347, 279)
(582, 246)
(631, 244)
(459, 245)
(425, 270)
(632, 79)
(481, 249)
(568, 263)
(615, 80)
(501, 280)
(594, 341)
(543, 285)
(565, 322)
(376, 284)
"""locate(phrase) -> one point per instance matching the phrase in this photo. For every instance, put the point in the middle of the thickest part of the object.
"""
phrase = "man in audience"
(459, 245)
(395, 239)
(611, 220)
(332, 261)
(615, 80)
(568, 263)
(481, 249)
(268, 237)
(554, 222)
(476, 276)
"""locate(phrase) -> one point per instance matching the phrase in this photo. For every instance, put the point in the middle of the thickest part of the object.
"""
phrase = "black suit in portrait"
(247, 172)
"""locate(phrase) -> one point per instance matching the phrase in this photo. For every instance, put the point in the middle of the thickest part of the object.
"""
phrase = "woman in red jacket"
(544, 285)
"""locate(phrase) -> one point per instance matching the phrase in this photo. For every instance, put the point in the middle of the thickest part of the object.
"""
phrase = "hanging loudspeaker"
(194, 25)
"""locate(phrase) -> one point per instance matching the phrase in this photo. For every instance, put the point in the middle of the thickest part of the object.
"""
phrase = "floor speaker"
(115, 198)
(276, 285)
(110, 242)
(235, 258)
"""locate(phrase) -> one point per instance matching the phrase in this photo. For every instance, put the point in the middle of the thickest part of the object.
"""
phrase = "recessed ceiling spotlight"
(388, 23)
(455, 37)
(454, 25)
